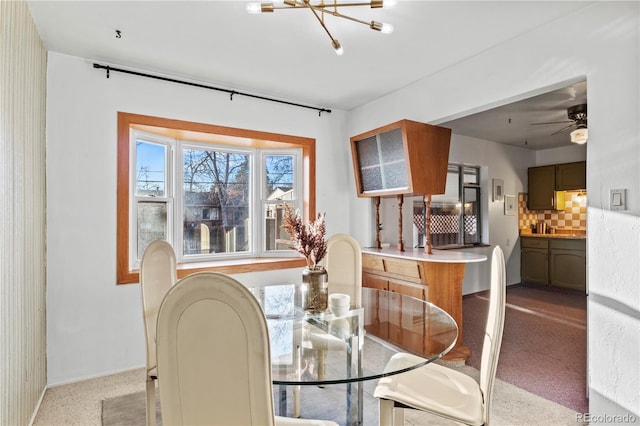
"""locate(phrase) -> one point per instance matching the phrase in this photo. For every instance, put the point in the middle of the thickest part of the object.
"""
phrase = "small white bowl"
(339, 311)
(339, 303)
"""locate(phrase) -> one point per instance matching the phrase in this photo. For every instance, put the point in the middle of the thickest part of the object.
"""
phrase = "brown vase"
(315, 281)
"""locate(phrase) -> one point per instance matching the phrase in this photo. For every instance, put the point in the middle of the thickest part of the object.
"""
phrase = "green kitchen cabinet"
(546, 184)
(571, 176)
(541, 188)
(534, 260)
(568, 264)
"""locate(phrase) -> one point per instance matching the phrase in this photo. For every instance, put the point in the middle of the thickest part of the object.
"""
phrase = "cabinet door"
(534, 266)
(541, 188)
(405, 325)
(571, 176)
(374, 281)
(568, 269)
(409, 289)
(382, 163)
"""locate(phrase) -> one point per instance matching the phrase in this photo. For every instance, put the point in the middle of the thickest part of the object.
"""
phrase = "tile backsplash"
(573, 217)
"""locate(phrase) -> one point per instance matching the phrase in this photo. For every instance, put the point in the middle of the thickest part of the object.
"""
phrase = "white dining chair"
(344, 266)
(214, 360)
(343, 263)
(443, 391)
(157, 275)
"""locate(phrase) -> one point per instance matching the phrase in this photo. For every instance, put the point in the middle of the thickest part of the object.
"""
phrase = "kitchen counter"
(438, 256)
(436, 278)
(557, 236)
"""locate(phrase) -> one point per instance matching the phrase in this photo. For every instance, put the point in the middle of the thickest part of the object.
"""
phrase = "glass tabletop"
(323, 349)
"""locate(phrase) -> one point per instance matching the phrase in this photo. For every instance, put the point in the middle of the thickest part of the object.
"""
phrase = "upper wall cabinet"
(406, 157)
(547, 183)
(571, 176)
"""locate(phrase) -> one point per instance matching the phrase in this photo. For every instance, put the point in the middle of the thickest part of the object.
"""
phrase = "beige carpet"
(512, 406)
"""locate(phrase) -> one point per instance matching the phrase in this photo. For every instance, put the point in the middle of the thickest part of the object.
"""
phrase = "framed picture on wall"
(509, 205)
(498, 190)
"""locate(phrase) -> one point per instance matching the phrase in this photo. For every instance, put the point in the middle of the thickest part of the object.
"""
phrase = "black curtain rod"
(203, 86)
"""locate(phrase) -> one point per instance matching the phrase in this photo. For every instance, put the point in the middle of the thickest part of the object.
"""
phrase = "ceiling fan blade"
(564, 129)
(552, 122)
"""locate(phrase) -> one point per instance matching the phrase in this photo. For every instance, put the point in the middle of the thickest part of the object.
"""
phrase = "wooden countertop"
(438, 256)
(556, 236)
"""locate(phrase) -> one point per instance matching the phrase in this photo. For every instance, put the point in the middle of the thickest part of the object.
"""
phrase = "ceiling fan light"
(580, 136)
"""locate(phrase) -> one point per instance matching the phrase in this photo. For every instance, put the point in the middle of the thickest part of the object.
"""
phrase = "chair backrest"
(495, 326)
(214, 364)
(157, 275)
(344, 266)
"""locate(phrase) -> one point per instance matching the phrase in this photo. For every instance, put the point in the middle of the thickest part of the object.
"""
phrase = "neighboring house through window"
(215, 193)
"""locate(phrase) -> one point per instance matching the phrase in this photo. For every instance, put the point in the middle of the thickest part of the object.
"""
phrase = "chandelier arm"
(339, 15)
(312, 9)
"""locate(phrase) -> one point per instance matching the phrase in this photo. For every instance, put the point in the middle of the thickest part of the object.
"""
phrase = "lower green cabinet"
(554, 261)
(568, 264)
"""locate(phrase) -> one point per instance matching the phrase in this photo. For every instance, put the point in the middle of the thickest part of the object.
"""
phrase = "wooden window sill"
(235, 266)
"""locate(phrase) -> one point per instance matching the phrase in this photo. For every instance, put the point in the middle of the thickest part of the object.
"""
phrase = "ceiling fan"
(577, 115)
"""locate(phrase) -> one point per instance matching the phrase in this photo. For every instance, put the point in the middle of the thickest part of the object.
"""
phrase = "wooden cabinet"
(554, 261)
(534, 260)
(571, 176)
(541, 188)
(547, 183)
(437, 282)
(568, 264)
(406, 157)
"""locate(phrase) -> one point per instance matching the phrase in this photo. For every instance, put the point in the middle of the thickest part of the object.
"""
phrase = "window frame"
(206, 133)
(460, 170)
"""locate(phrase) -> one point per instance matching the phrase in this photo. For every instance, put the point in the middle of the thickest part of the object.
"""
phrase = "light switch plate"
(617, 199)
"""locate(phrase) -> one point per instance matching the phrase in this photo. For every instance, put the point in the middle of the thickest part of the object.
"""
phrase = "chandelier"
(321, 7)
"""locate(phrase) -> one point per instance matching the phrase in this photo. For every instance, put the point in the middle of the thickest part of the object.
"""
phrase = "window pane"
(279, 177)
(471, 175)
(445, 212)
(216, 182)
(152, 224)
(471, 215)
(274, 234)
(151, 164)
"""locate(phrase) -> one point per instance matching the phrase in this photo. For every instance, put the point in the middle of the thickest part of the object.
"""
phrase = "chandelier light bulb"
(388, 4)
(337, 47)
(386, 28)
(254, 8)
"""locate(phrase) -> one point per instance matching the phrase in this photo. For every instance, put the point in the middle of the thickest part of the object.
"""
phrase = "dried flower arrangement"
(307, 239)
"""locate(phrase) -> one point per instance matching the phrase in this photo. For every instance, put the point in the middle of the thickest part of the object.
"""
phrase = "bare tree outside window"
(216, 180)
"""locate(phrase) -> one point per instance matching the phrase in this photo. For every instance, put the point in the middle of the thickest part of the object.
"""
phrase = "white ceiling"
(287, 55)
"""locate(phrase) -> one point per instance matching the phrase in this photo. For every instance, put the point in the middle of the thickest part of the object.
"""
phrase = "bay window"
(215, 193)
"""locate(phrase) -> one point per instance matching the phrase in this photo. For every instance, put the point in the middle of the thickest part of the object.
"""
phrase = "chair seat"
(433, 388)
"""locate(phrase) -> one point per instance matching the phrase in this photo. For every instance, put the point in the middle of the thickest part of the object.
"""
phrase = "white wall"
(600, 42)
(94, 325)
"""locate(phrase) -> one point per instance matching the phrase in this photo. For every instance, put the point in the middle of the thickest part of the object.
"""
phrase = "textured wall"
(22, 215)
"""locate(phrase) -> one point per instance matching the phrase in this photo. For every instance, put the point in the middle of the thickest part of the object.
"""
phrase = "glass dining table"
(325, 349)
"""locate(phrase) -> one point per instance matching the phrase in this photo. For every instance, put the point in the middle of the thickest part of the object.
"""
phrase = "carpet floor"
(544, 345)
(511, 406)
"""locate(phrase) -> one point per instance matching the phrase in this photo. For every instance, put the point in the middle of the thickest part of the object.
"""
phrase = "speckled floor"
(81, 404)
